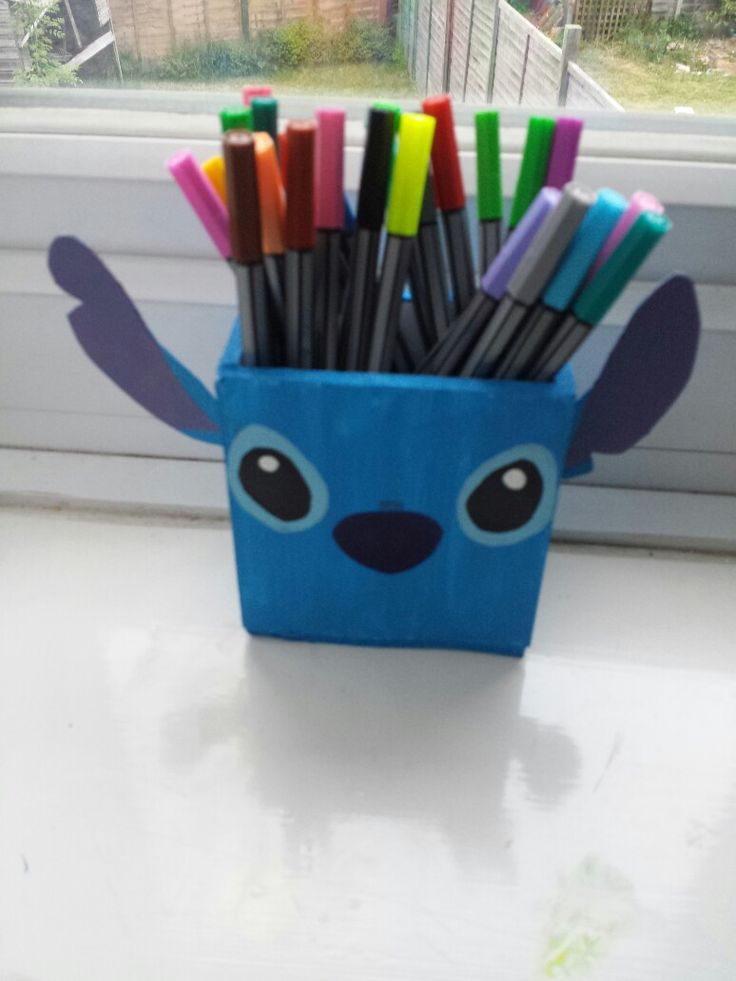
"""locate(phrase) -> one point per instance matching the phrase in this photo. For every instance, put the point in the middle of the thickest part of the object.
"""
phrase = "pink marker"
(640, 201)
(564, 152)
(256, 91)
(329, 212)
(203, 198)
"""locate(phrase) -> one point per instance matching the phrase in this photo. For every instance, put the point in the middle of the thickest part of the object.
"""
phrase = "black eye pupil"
(507, 498)
(274, 482)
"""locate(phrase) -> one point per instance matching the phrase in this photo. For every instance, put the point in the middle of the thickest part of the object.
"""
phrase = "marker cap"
(271, 197)
(448, 179)
(488, 153)
(265, 115)
(299, 231)
(329, 207)
(608, 283)
(242, 195)
(203, 198)
(236, 117)
(544, 253)
(409, 174)
(251, 91)
(214, 171)
(533, 165)
(593, 232)
(500, 271)
(393, 109)
(564, 152)
(640, 201)
(376, 170)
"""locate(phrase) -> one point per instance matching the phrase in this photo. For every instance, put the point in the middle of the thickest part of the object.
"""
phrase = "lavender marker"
(446, 357)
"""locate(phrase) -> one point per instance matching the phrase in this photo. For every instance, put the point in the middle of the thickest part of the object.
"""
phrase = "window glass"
(669, 55)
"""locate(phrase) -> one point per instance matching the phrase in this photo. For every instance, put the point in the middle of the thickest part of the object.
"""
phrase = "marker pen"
(427, 274)
(272, 206)
(564, 286)
(237, 117)
(533, 170)
(640, 202)
(203, 198)
(405, 202)
(299, 236)
(454, 348)
(329, 209)
(245, 241)
(602, 291)
(367, 236)
(214, 171)
(488, 183)
(529, 279)
(252, 91)
(448, 187)
(265, 116)
(564, 152)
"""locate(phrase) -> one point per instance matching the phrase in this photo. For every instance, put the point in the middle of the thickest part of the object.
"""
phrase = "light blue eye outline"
(261, 436)
(545, 462)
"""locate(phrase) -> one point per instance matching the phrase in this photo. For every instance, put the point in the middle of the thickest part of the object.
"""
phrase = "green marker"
(416, 132)
(533, 166)
(238, 117)
(265, 117)
(489, 198)
(601, 293)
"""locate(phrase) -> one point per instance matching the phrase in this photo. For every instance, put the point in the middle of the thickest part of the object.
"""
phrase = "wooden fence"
(483, 51)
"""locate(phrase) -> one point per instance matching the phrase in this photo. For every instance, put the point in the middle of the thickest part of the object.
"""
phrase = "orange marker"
(272, 205)
(214, 171)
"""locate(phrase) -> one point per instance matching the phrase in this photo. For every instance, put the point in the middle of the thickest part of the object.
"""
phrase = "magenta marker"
(640, 201)
(564, 152)
(203, 198)
(256, 91)
(329, 213)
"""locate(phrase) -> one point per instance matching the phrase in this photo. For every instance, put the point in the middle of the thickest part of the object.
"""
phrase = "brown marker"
(300, 239)
(245, 244)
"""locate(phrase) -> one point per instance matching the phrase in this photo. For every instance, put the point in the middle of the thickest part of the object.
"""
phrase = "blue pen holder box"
(389, 509)
(399, 510)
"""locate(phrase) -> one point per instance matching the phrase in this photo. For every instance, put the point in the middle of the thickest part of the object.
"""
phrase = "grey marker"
(568, 338)
(489, 243)
(252, 305)
(459, 256)
(299, 307)
(396, 259)
(529, 280)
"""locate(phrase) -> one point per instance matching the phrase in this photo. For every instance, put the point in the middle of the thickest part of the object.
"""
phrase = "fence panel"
(542, 76)
(421, 27)
(437, 53)
(481, 48)
(462, 12)
(583, 92)
(510, 57)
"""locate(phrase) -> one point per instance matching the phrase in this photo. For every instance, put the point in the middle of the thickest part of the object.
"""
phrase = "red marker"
(329, 214)
(299, 236)
(450, 195)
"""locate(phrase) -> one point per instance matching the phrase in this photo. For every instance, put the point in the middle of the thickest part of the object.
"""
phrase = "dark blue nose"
(388, 541)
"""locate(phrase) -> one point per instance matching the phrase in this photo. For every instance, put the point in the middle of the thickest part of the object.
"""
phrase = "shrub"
(44, 25)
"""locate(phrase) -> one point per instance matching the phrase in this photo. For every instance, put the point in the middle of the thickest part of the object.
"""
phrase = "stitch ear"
(114, 336)
(643, 376)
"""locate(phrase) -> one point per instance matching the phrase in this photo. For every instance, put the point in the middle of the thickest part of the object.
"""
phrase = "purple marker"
(640, 201)
(452, 351)
(564, 152)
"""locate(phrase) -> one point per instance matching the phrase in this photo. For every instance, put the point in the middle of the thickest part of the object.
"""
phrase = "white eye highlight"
(515, 479)
(268, 463)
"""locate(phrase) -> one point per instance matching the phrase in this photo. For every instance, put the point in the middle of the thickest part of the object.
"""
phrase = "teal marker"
(601, 293)
(540, 325)
(265, 117)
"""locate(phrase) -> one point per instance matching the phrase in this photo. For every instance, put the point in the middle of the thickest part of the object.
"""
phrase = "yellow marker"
(214, 171)
(416, 132)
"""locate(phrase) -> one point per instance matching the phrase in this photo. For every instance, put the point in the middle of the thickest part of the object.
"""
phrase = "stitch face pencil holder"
(399, 510)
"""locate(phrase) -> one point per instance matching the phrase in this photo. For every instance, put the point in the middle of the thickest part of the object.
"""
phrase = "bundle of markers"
(394, 287)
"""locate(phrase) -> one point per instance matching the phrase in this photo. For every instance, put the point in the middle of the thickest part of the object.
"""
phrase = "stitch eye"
(510, 497)
(274, 482)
